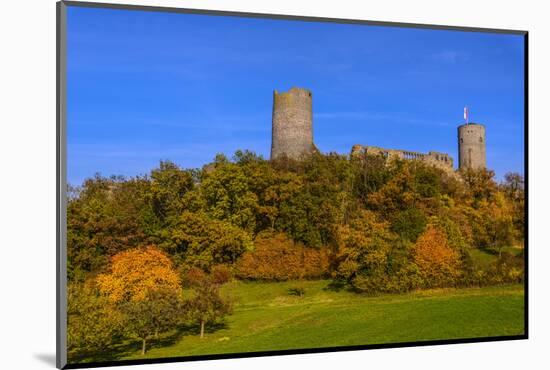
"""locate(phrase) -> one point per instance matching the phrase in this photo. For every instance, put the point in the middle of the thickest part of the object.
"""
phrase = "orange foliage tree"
(137, 272)
(145, 286)
(277, 257)
(439, 264)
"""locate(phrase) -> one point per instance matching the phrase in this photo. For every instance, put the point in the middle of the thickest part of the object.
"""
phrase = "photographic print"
(238, 185)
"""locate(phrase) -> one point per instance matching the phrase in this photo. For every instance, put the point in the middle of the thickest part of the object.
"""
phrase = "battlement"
(438, 159)
(294, 92)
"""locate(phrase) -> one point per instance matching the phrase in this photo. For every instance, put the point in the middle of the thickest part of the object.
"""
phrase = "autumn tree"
(133, 274)
(397, 194)
(147, 289)
(439, 264)
(480, 184)
(500, 225)
(514, 185)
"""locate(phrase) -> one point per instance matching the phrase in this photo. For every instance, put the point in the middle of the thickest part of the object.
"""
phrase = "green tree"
(228, 197)
(196, 240)
(207, 306)
(364, 248)
(168, 186)
(93, 322)
(105, 217)
(160, 310)
(409, 224)
(370, 173)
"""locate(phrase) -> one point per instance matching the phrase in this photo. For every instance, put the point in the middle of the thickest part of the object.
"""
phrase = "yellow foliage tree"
(136, 273)
(437, 261)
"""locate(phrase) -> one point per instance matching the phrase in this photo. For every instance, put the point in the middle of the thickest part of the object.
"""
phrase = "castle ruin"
(292, 136)
(437, 159)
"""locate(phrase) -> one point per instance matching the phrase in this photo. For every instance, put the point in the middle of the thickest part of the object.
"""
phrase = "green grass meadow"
(266, 318)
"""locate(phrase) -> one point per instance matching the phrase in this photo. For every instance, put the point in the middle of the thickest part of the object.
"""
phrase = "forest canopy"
(370, 222)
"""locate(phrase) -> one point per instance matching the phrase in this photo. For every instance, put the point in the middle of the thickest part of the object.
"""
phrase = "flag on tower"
(466, 114)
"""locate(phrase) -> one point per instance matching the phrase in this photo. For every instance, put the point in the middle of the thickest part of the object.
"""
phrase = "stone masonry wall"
(292, 124)
(471, 146)
(441, 160)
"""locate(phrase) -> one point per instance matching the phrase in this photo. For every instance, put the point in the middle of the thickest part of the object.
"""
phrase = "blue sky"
(146, 86)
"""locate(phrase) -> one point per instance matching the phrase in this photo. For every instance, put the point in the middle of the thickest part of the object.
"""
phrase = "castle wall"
(441, 160)
(292, 123)
(471, 146)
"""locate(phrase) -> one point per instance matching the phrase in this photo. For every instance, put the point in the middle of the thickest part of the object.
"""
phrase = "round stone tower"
(471, 146)
(292, 125)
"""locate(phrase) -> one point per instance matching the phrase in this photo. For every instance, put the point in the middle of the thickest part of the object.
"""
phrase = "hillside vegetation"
(182, 248)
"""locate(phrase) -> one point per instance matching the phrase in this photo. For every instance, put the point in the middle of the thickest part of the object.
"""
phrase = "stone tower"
(292, 125)
(471, 146)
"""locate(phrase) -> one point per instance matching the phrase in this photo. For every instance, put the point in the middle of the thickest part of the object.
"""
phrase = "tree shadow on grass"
(336, 286)
(127, 348)
(490, 250)
(182, 331)
(132, 346)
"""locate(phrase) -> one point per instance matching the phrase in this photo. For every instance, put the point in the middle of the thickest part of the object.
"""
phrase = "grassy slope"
(266, 317)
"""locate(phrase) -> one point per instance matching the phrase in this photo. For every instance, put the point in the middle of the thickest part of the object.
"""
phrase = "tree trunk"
(143, 346)
(156, 334)
(202, 329)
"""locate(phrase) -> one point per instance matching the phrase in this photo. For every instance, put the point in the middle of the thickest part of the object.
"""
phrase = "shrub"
(276, 257)
(299, 291)
(507, 269)
(404, 280)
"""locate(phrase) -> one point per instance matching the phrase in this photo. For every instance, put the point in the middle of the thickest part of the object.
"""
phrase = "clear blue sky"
(145, 86)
